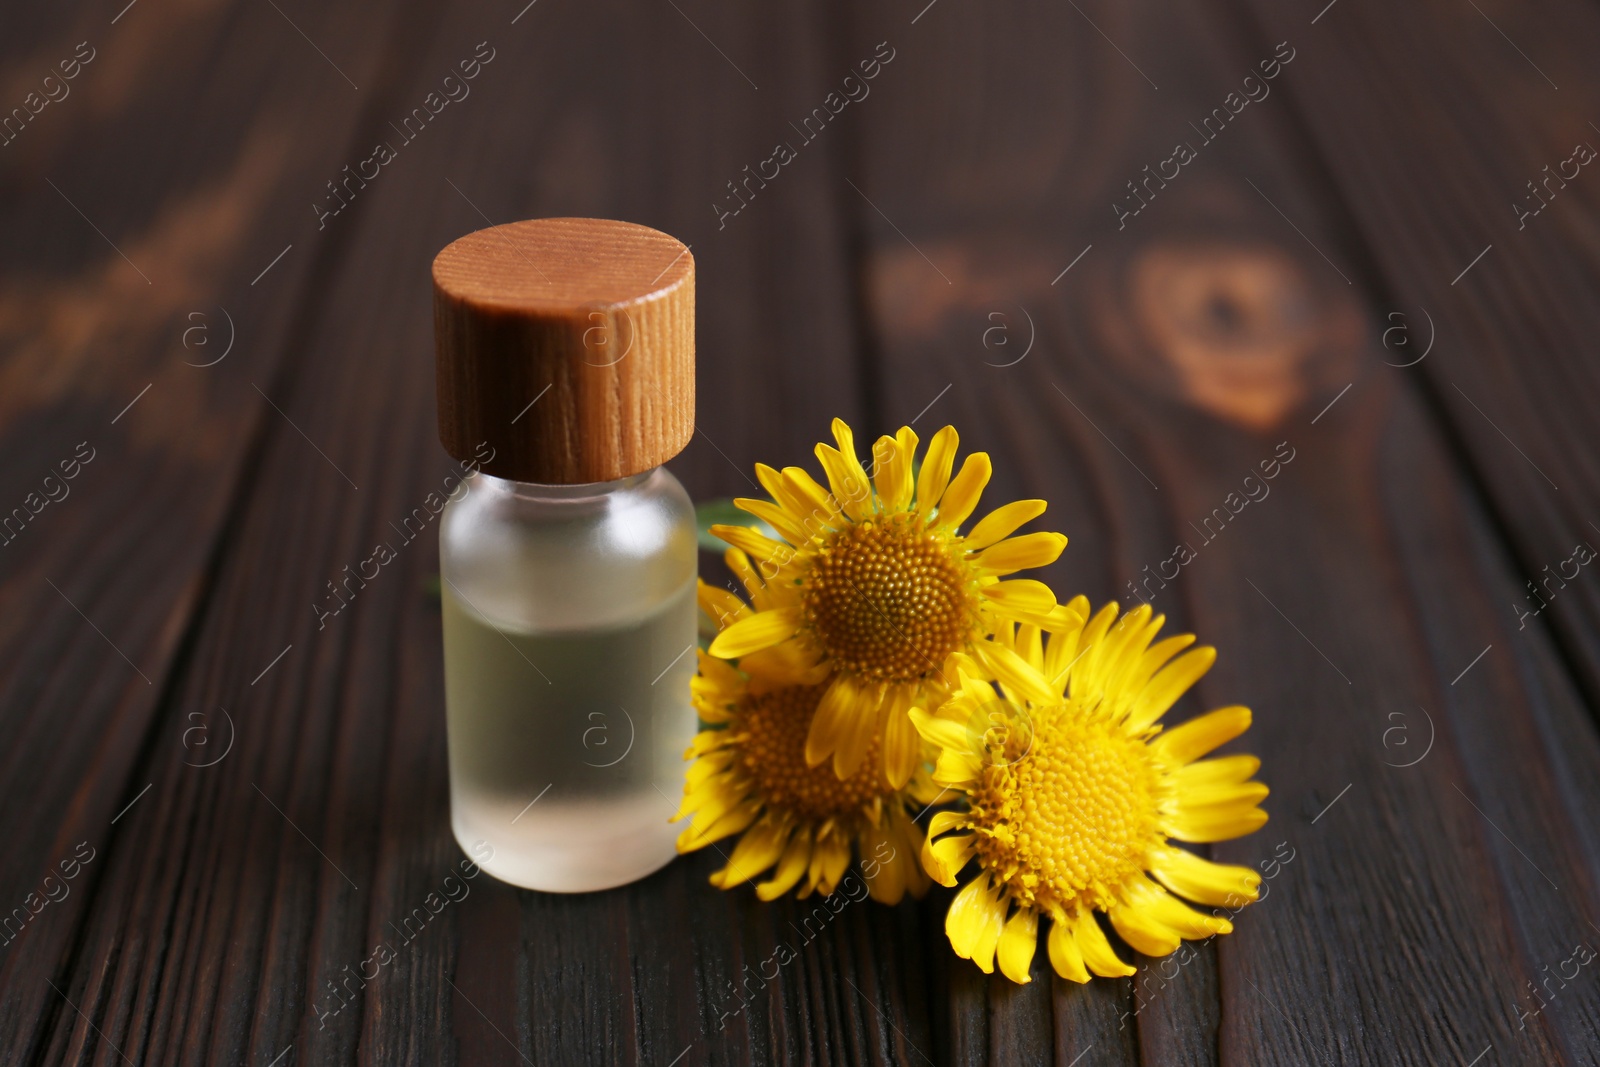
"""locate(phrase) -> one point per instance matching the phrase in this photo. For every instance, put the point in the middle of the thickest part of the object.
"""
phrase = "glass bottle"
(568, 557)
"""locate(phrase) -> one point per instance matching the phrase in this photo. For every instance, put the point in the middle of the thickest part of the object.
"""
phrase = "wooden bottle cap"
(567, 347)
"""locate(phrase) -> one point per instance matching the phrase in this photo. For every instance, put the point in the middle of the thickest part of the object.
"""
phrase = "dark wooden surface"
(262, 799)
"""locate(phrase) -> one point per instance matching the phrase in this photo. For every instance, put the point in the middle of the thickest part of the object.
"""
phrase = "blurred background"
(1140, 253)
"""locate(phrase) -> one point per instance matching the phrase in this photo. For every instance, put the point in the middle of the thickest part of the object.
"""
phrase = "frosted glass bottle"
(569, 632)
(564, 352)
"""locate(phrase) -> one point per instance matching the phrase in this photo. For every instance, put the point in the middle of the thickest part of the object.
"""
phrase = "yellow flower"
(750, 777)
(1072, 790)
(874, 585)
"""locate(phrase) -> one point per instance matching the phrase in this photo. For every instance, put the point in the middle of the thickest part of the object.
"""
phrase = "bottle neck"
(536, 491)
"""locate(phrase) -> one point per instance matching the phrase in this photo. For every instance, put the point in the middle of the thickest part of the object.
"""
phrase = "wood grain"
(592, 317)
(958, 243)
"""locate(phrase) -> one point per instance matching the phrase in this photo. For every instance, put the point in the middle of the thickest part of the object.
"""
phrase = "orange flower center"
(772, 750)
(1069, 817)
(888, 600)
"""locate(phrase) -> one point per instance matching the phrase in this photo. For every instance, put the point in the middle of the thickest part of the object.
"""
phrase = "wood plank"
(1169, 362)
(231, 904)
(142, 206)
(1513, 330)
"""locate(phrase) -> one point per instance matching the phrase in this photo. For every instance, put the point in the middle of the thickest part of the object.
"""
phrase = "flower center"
(773, 751)
(888, 600)
(1071, 819)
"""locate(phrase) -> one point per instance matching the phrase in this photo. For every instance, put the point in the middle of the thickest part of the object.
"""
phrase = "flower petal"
(830, 858)
(1204, 826)
(761, 846)
(1222, 794)
(974, 922)
(1187, 743)
(1098, 954)
(1224, 770)
(1165, 688)
(1221, 885)
(965, 488)
(1021, 554)
(1020, 679)
(722, 606)
(944, 859)
(775, 517)
(758, 545)
(1021, 594)
(1065, 955)
(902, 745)
(796, 858)
(1017, 943)
(761, 630)
(705, 830)
(934, 477)
(942, 732)
(1142, 930)
(1003, 521)
(1173, 913)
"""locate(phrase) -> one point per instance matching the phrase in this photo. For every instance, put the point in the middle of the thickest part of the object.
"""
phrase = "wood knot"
(1237, 330)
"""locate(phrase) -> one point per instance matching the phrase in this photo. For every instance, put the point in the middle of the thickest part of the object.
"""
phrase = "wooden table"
(997, 231)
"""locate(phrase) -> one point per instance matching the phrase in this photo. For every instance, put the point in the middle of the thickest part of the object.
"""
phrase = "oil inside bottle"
(566, 746)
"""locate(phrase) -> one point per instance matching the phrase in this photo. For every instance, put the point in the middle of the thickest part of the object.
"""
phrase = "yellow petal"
(1221, 885)
(1221, 794)
(775, 517)
(1020, 678)
(1021, 594)
(1003, 521)
(1065, 955)
(902, 746)
(1207, 825)
(942, 732)
(706, 767)
(935, 474)
(1224, 770)
(719, 792)
(761, 630)
(759, 848)
(1187, 743)
(1023, 553)
(964, 490)
(945, 821)
(1159, 653)
(854, 474)
(723, 607)
(796, 858)
(944, 859)
(1017, 942)
(1143, 931)
(1060, 656)
(760, 546)
(974, 923)
(811, 500)
(1030, 645)
(857, 731)
(830, 858)
(1174, 913)
(891, 464)
(1165, 688)
(703, 831)
(1096, 948)
(844, 711)
(956, 770)
(880, 854)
